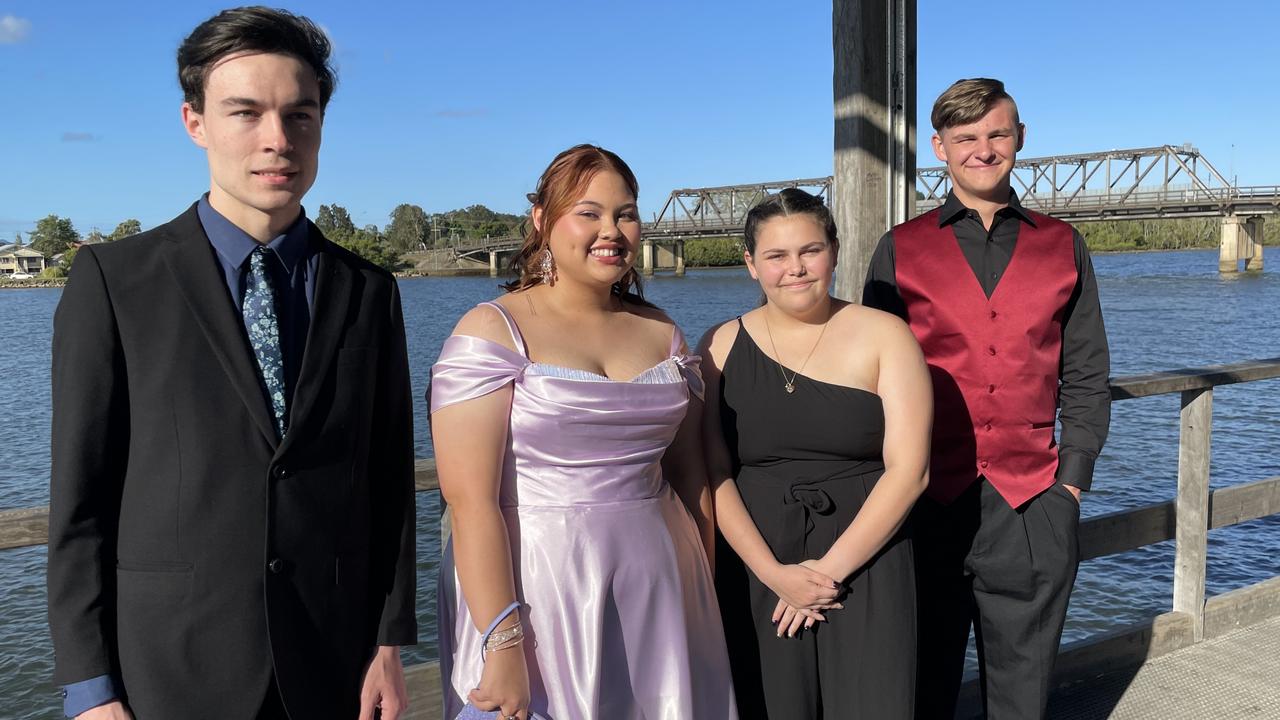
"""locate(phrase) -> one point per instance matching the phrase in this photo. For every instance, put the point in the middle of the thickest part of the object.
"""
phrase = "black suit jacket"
(190, 553)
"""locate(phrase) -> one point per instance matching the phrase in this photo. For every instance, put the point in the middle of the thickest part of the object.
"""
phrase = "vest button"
(991, 388)
(991, 350)
(987, 426)
(993, 314)
(983, 463)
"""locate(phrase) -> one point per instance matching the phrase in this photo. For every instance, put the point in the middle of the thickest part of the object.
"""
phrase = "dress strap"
(511, 325)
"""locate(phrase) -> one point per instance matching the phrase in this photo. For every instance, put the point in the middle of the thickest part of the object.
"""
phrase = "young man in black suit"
(231, 529)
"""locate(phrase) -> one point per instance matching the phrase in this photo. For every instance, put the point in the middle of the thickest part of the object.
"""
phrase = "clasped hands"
(805, 590)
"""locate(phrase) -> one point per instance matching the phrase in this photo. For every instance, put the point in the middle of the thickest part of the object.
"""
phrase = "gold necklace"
(790, 385)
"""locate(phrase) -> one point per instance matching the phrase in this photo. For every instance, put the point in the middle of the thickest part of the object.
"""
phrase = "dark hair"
(561, 185)
(255, 30)
(968, 101)
(788, 202)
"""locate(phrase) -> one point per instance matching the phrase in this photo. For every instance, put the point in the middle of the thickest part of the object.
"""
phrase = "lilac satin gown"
(620, 612)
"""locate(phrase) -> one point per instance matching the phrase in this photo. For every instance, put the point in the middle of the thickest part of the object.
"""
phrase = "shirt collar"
(952, 210)
(235, 245)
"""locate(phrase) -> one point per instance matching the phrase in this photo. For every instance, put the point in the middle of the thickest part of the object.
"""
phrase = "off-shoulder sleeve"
(690, 364)
(691, 369)
(469, 367)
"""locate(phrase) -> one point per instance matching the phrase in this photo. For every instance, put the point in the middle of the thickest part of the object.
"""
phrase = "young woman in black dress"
(817, 430)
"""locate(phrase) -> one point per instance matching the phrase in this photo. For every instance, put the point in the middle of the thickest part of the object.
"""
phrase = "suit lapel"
(335, 284)
(190, 257)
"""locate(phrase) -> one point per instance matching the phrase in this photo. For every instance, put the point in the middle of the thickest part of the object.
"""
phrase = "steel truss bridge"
(1138, 184)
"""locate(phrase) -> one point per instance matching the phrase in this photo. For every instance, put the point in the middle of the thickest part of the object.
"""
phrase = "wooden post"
(874, 46)
(1191, 534)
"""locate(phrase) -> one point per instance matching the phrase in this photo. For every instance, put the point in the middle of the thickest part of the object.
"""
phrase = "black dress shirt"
(1084, 395)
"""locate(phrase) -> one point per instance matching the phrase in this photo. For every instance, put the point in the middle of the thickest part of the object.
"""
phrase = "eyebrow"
(250, 102)
(593, 203)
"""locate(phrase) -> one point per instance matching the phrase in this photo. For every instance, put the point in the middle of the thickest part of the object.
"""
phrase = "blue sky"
(448, 104)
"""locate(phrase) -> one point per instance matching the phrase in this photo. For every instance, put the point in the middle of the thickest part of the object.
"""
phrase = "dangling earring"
(547, 267)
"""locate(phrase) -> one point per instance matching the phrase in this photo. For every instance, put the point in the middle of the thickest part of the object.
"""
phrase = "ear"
(751, 266)
(537, 217)
(1022, 136)
(194, 123)
(939, 150)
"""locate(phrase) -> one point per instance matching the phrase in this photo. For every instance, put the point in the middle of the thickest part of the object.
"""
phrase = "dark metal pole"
(874, 46)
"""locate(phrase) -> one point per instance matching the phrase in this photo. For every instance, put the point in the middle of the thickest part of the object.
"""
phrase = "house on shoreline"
(16, 258)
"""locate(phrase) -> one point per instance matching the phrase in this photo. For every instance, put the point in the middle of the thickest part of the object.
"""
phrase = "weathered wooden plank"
(1241, 503)
(1241, 608)
(1124, 647)
(424, 475)
(24, 527)
(423, 683)
(1171, 381)
(1192, 530)
(1126, 530)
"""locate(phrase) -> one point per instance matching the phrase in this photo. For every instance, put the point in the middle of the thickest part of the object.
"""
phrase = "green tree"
(369, 244)
(335, 222)
(69, 257)
(125, 229)
(17, 238)
(408, 228)
(53, 235)
(94, 236)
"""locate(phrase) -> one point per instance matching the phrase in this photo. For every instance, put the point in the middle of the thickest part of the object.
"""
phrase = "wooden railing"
(1185, 519)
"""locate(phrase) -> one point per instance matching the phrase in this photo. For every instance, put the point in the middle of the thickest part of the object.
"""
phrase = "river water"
(1163, 311)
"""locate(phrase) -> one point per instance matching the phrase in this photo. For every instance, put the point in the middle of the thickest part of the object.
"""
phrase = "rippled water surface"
(1163, 311)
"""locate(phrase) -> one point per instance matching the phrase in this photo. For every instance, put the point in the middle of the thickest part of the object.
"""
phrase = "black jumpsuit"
(805, 463)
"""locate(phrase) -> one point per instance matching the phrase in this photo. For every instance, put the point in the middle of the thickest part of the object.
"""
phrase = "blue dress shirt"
(293, 277)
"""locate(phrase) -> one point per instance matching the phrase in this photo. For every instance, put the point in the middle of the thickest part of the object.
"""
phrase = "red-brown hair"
(562, 184)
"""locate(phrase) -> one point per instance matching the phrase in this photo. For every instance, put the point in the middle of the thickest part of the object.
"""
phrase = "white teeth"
(607, 252)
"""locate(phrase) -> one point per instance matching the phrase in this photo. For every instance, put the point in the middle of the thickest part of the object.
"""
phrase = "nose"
(275, 135)
(609, 227)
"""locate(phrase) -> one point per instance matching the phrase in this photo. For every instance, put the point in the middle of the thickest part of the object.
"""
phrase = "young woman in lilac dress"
(565, 417)
(817, 421)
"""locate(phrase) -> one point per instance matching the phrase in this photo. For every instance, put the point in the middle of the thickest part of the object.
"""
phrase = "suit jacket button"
(281, 472)
(276, 566)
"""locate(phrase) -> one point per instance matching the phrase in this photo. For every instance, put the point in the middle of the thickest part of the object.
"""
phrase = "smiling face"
(793, 262)
(981, 154)
(596, 239)
(261, 130)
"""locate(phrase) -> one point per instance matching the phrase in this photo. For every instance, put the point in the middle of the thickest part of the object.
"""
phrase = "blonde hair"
(967, 101)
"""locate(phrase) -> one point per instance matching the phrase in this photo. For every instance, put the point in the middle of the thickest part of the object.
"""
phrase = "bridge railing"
(1186, 519)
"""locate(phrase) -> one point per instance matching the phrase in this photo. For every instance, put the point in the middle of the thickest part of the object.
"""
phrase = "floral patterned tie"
(259, 308)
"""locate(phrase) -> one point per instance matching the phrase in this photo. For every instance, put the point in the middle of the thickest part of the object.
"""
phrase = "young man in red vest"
(1005, 305)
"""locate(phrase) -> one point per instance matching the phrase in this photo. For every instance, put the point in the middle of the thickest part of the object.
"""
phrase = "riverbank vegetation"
(410, 228)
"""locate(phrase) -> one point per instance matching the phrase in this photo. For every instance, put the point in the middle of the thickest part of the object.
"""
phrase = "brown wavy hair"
(561, 185)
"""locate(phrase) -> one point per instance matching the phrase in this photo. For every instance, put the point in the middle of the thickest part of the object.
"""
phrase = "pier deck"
(1232, 677)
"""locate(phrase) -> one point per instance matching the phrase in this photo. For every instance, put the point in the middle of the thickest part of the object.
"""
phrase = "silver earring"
(547, 267)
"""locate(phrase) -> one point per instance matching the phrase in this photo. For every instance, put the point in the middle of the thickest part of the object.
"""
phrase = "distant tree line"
(410, 228)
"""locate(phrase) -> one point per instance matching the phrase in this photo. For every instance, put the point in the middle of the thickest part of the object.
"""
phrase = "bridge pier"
(1241, 240)
(646, 257)
(680, 258)
(493, 263)
(1254, 230)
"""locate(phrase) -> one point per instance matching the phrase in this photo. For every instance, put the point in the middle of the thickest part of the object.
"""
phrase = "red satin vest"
(994, 362)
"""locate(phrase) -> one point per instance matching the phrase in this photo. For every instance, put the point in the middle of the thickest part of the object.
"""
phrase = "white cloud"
(13, 29)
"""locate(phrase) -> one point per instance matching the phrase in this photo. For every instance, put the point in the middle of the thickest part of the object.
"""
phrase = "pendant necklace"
(790, 385)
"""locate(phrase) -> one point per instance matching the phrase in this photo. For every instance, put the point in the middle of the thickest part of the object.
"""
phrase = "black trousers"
(1007, 573)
